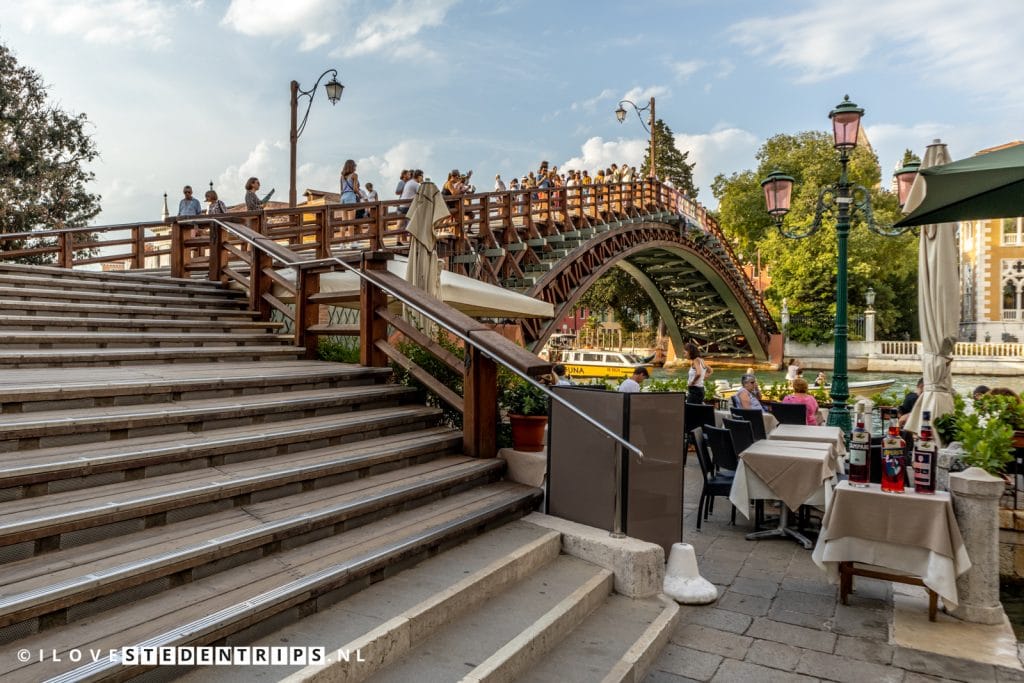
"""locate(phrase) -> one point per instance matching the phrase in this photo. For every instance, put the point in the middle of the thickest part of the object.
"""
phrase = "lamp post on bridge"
(844, 198)
(620, 114)
(334, 89)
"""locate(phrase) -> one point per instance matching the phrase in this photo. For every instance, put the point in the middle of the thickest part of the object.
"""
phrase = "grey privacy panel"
(654, 486)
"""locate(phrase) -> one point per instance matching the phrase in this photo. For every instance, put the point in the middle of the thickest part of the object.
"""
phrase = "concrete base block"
(639, 566)
(525, 468)
(683, 582)
(976, 496)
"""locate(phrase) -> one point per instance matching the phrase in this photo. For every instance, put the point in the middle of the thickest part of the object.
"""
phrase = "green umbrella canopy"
(988, 185)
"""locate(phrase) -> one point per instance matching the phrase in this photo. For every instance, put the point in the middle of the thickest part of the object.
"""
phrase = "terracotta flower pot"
(528, 432)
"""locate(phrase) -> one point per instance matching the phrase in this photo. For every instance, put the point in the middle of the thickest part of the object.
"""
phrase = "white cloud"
(600, 153)
(641, 95)
(124, 22)
(961, 45)
(395, 28)
(387, 167)
(724, 150)
(591, 104)
(686, 69)
(310, 20)
(259, 163)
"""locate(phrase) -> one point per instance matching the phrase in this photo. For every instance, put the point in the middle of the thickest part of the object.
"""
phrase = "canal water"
(963, 384)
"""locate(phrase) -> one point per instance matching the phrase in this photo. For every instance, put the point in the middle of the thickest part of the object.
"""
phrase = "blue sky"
(189, 92)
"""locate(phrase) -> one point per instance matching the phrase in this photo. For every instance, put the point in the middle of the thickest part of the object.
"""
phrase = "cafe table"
(796, 473)
(868, 532)
(770, 421)
(833, 436)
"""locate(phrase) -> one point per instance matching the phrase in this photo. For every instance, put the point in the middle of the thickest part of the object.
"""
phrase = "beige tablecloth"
(829, 435)
(794, 474)
(910, 533)
(770, 421)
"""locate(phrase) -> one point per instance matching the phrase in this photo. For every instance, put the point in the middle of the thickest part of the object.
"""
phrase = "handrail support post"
(480, 417)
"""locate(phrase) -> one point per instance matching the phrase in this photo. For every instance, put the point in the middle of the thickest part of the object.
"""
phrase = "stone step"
(64, 519)
(135, 277)
(29, 390)
(43, 471)
(108, 285)
(84, 357)
(510, 631)
(619, 641)
(48, 339)
(45, 428)
(52, 588)
(269, 592)
(213, 300)
(384, 621)
(99, 310)
(45, 322)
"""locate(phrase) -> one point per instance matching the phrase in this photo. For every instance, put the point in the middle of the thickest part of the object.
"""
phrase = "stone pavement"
(778, 619)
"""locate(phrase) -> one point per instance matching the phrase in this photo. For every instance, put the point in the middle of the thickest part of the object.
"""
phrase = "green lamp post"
(842, 198)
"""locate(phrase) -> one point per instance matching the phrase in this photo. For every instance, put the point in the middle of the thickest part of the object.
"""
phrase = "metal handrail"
(232, 228)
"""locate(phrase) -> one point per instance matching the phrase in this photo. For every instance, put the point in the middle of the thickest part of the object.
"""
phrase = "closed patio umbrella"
(938, 306)
(424, 270)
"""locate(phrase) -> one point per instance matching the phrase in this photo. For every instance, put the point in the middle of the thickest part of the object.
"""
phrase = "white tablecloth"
(770, 421)
(748, 486)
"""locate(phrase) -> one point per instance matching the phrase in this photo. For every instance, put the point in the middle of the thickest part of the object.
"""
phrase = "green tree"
(43, 153)
(804, 271)
(617, 291)
(672, 164)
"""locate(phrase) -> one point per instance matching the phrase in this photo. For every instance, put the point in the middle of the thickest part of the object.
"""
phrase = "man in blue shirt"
(189, 206)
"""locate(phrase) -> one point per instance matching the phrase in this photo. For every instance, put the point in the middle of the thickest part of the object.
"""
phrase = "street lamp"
(334, 89)
(620, 114)
(843, 198)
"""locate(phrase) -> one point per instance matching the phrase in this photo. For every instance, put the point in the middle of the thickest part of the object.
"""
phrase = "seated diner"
(747, 396)
(800, 395)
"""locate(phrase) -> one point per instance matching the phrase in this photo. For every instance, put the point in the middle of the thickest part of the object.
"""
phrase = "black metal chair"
(756, 419)
(741, 432)
(723, 453)
(789, 413)
(695, 415)
(714, 484)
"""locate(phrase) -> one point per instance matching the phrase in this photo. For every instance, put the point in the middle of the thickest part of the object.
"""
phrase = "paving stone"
(727, 558)
(712, 640)
(779, 613)
(864, 623)
(1006, 675)
(745, 604)
(914, 677)
(942, 666)
(721, 576)
(767, 564)
(665, 677)
(774, 550)
(760, 587)
(684, 661)
(846, 670)
(867, 650)
(870, 590)
(732, 671)
(721, 619)
(749, 572)
(769, 629)
(775, 655)
(808, 603)
(817, 587)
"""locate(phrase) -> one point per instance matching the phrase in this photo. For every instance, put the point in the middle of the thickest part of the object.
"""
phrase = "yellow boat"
(597, 363)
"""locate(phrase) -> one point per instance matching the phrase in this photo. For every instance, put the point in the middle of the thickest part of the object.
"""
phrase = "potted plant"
(527, 408)
(987, 442)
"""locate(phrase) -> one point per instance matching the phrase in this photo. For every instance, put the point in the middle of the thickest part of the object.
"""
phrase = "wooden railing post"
(372, 328)
(67, 256)
(177, 251)
(138, 247)
(260, 284)
(323, 234)
(307, 312)
(216, 248)
(480, 416)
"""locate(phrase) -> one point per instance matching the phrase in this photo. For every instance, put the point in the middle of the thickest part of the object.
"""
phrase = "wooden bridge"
(548, 244)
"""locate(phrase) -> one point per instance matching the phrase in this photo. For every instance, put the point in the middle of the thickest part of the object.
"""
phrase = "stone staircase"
(172, 474)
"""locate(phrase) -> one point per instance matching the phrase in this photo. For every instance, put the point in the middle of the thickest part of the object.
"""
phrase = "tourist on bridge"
(252, 200)
(214, 205)
(800, 395)
(631, 384)
(402, 178)
(499, 184)
(370, 194)
(189, 205)
(699, 371)
(747, 396)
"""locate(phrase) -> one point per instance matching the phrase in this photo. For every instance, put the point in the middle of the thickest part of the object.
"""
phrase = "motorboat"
(598, 363)
(863, 389)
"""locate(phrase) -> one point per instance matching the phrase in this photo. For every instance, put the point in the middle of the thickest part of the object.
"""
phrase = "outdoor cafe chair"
(789, 413)
(723, 453)
(741, 432)
(695, 415)
(756, 419)
(714, 484)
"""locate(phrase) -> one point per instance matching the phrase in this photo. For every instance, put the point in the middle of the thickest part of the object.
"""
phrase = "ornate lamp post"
(620, 114)
(334, 89)
(842, 198)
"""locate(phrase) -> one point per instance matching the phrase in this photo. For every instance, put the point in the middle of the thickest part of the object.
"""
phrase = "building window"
(1013, 285)
(1012, 231)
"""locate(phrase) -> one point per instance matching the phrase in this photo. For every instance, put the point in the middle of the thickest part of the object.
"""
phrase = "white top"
(791, 371)
(629, 386)
(410, 189)
(691, 377)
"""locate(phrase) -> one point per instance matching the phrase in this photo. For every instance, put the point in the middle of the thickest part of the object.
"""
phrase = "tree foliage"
(617, 291)
(804, 271)
(672, 164)
(43, 153)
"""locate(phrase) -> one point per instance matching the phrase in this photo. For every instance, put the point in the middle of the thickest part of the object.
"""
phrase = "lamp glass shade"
(905, 180)
(869, 296)
(846, 124)
(334, 90)
(778, 192)
(620, 114)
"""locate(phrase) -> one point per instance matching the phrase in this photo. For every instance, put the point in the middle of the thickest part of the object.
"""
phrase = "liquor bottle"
(894, 462)
(924, 457)
(860, 452)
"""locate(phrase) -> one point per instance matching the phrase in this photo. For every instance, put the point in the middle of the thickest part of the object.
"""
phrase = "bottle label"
(922, 470)
(858, 453)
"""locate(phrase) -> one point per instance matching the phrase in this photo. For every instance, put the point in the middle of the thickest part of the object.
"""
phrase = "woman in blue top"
(349, 188)
(746, 397)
